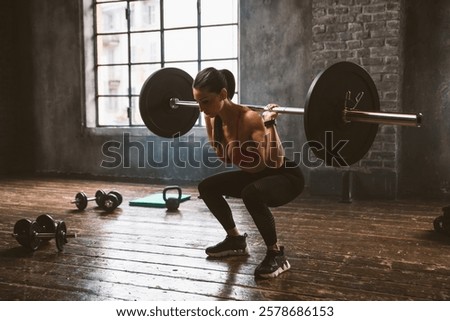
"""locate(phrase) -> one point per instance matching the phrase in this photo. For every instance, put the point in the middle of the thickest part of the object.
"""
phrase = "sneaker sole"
(229, 253)
(286, 266)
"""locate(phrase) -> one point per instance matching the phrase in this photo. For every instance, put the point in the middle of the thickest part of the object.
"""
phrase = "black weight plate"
(25, 233)
(110, 203)
(437, 224)
(118, 195)
(46, 224)
(22, 232)
(61, 235)
(323, 113)
(99, 195)
(81, 201)
(154, 105)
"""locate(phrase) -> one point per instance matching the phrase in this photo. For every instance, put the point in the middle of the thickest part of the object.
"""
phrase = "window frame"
(91, 111)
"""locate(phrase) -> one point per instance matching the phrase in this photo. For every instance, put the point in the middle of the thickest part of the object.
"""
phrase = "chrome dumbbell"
(81, 200)
(108, 202)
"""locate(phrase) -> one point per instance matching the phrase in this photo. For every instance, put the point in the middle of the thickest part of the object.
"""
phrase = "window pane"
(139, 74)
(111, 17)
(219, 11)
(112, 111)
(113, 80)
(112, 49)
(146, 47)
(179, 13)
(181, 45)
(136, 118)
(231, 65)
(219, 42)
(190, 67)
(145, 15)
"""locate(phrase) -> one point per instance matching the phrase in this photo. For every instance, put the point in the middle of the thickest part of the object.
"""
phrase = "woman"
(265, 178)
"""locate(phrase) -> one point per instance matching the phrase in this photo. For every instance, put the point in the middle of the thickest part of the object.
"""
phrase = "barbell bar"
(176, 103)
(348, 115)
(168, 109)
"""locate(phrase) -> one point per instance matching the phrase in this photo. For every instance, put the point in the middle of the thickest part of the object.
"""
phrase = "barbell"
(342, 108)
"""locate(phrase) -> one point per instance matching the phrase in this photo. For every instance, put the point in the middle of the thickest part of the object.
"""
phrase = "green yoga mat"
(156, 200)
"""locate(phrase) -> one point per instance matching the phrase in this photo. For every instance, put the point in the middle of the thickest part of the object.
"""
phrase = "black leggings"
(259, 191)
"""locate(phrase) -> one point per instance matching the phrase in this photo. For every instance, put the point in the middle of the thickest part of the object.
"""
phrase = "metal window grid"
(162, 30)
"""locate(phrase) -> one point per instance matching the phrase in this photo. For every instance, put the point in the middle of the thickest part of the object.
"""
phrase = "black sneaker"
(273, 264)
(232, 245)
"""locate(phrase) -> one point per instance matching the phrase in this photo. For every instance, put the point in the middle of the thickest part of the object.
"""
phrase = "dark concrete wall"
(7, 83)
(275, 62)
(425, 158)
(16, 113)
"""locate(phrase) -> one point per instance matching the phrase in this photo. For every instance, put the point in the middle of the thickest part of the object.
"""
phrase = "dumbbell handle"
(87, 199)
(47, 235)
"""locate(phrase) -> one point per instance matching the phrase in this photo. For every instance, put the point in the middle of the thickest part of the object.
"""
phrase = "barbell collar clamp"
(175, 103)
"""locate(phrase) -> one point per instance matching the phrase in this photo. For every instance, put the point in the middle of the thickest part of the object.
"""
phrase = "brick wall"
(366, 32)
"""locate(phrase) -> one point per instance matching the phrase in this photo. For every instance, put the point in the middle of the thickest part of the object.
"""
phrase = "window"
(134, 38)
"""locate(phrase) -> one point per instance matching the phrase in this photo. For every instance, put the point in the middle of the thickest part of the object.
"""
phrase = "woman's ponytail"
(231, 83)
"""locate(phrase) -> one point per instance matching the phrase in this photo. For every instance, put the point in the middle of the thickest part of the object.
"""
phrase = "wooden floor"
(377, 250)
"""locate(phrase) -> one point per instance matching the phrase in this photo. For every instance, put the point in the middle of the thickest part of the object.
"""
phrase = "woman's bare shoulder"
(252, 118)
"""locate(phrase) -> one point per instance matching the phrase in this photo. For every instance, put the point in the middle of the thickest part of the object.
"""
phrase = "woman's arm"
(209, 129)
(267, 139)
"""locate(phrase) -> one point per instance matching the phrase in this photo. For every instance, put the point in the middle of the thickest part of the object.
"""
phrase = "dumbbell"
(111, 201)
(441, 223)
(81, 199)
(30, 234)
(108, 202)
(118, 195)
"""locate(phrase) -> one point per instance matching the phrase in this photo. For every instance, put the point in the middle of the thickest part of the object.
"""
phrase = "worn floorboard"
(366, 250)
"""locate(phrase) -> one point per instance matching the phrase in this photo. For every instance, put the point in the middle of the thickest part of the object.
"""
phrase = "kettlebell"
(172, 203)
